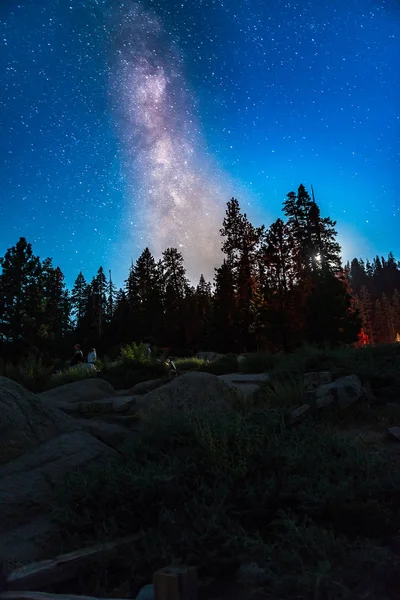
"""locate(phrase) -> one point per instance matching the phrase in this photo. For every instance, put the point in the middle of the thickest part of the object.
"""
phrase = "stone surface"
(299, 412)
(315, 380)
(344, 391)
(191, 390)
(247, 384)
(27, 487)
(26, 421)
(146, 386)
(111, 434)
(394, 432)
(146, 593)
(68, 397)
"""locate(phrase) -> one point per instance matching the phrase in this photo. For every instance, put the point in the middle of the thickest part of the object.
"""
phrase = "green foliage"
(189, 363)
(124, 375)
(31, 372)
(211, 489)
(70, 376)
(135, 354)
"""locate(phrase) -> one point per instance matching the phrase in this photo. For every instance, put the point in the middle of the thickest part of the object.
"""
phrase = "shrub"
(70, 375)
(189, 364)
(125, 375)
(211, 489)
(30, 372)
(135, 354)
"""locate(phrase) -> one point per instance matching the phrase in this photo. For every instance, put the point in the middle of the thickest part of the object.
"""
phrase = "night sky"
(127, 124)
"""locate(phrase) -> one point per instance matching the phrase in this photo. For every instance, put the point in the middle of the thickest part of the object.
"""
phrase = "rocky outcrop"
(27, 487)
(191, 390)
(146, 386)
(344, 391)
(247, 384)
(80, 396)
(314, 380)
(26, 420)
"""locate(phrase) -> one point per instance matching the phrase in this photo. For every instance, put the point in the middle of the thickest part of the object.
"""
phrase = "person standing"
(92, 356)
(78, 356)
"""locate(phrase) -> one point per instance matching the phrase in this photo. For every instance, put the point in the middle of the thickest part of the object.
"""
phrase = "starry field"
(127, 124)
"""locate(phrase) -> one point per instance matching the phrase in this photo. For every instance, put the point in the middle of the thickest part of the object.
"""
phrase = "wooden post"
(176, 583)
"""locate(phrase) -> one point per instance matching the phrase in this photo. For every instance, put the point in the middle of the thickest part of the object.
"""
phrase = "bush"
(213, 489)
(30, 372)
(189, 364)
(125, 375)
(135, 354)
(70, 375)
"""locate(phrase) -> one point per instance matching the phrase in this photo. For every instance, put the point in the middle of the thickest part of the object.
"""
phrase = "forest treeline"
(277, 288)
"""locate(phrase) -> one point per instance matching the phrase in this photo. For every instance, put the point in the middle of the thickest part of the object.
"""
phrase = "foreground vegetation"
(315, 506)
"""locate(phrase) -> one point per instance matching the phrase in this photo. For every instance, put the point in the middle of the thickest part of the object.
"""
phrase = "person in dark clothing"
(78, 356)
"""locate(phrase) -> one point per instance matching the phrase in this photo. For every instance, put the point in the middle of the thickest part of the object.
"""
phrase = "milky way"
(176, 200)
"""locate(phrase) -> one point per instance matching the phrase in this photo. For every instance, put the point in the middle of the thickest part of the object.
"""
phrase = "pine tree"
(147, 280)
(278, 260)
(380, 323)
(79, 298)
(21, 293)
(332, 317)
(242, 247)
(396, 311)
(119, 333)
(367, 313)
(111, 297)
(390, 320)
(176, 285)
(223, 328)
(99, 290)
(56, 320)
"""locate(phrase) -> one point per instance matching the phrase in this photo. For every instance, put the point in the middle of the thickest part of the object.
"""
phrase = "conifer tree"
(79, 297)
(224, 328)
(367, 313)
(21, 294)
(56, 318)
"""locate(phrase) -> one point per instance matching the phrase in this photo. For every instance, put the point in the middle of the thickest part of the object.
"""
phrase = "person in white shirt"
(92, 356)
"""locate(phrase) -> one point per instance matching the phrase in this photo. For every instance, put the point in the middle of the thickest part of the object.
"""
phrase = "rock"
(26, 421)
(252, 574)
(146, 593)
(111, 434)
(192, 390)
(68, 397)
(146, 386)
(241, 358)
(394, 432)
(344, 391)
(367, 392)
(247, 384)
(315, 380)
(27, 486)
(299, 412)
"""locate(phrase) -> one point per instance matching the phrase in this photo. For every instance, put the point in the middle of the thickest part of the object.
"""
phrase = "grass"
(222, 366)
(309, 504)
(31, 372)
(190, 363)
(70, 375)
